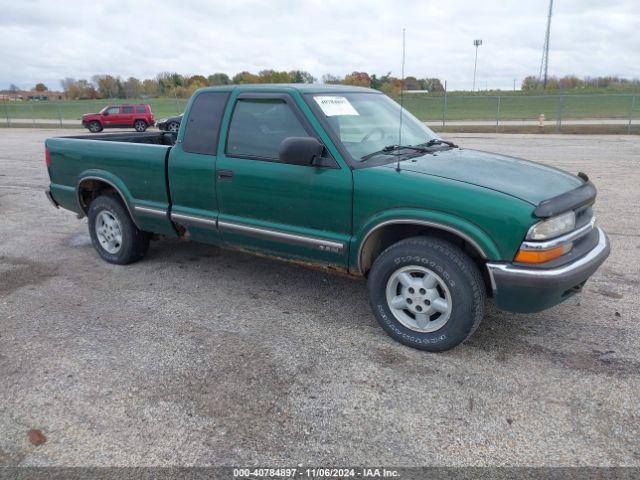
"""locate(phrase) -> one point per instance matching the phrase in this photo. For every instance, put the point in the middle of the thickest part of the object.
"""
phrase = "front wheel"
(113, 234)
(95, 127)
(173, 127)
(140, 125)
(426, 293)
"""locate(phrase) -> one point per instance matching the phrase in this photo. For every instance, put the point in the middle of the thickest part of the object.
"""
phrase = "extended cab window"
(127, 109)
(203, 124)
(258, 127)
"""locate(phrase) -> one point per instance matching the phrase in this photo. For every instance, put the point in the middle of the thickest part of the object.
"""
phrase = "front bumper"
(521, 289)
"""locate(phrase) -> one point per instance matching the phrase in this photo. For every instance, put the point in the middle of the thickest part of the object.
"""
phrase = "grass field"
(427, 107)
(74, 109)
(521, 107)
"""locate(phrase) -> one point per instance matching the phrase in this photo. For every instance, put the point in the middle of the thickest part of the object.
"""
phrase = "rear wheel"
(95, 126)
(426, 293)
(173, 127)
(140, 125)
(113, 234)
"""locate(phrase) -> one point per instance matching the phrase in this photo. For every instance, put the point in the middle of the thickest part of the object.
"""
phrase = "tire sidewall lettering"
(393, 325)
(426, 262)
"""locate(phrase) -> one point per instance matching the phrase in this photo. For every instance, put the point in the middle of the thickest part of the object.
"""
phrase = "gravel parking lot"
(201, 356)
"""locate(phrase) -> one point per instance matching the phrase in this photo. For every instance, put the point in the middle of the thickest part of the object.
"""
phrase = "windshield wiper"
(392, 148)
(437, 141)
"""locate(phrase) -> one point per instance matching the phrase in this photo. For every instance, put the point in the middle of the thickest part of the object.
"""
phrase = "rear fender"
(110, 179)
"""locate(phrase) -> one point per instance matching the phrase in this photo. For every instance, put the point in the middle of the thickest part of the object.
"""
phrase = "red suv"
(119, 116)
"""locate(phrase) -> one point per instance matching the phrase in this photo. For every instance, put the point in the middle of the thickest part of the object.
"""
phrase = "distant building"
(11, 96)
(30, 95)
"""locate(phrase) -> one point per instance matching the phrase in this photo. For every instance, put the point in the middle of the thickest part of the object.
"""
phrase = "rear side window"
(258, 127)
(203, 124)
(141, 109)
(127, 109)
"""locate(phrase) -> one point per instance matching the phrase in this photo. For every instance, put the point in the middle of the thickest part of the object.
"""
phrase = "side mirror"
(300, 150)
(105, 113)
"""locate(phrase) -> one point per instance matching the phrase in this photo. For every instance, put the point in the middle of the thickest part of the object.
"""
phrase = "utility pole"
(476, 44)
(544, 64)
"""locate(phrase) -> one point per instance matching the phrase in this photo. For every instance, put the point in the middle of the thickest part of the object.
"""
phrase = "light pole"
(476, 43)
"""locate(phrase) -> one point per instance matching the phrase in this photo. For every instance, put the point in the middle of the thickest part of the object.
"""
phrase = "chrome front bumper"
(524, 289)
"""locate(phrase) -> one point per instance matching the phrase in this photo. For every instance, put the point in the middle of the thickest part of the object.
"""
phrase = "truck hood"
(523, 179)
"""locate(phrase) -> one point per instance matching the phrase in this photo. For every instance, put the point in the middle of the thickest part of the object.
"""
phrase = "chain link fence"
(69, 113)
(621, 110)
(532, 110)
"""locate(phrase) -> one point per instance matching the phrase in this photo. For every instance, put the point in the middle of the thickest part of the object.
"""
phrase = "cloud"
(46, 41)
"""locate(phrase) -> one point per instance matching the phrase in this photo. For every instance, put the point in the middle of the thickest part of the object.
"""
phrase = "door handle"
(225, 174)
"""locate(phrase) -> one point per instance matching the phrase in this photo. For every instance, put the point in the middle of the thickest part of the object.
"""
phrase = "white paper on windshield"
(333, 106)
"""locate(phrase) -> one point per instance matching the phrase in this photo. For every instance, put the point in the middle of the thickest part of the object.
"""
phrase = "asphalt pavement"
(202, 356)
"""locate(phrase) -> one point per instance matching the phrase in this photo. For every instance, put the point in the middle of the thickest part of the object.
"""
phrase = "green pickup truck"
(344, 179)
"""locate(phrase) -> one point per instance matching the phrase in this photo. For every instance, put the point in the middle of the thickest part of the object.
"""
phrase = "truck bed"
(132, 164)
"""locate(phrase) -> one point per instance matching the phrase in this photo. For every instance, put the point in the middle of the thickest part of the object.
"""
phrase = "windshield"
(368, 122)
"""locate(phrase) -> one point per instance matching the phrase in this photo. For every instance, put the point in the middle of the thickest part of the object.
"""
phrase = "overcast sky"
(48, 40)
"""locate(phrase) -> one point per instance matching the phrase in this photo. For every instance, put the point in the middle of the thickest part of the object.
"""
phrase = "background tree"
(412, 83)
(378, 82)
(331, 79)
(391, 86)
(570, 81)
(432, 84)
(66, 84)
(552, 83)
(360, 79)
(150, 87)
(198, 80)
(73, 92)
(530, 83)
(168, 82)
(108, 85)
(218, 79)
(182, 92)
(40, 87)
(13, 88)
(82, 90)
(272, 76)
(133, 88)
(245, 77)
(300, 76)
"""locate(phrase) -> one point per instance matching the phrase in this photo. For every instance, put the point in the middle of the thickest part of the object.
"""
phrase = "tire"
(113, 234)
(447, 289)
(140, 125)
(95, 126)
(173, 127)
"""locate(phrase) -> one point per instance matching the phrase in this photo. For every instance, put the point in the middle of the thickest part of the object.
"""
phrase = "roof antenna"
(401, 99)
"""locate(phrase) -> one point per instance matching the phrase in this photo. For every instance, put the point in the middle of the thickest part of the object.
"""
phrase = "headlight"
(553, 227)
